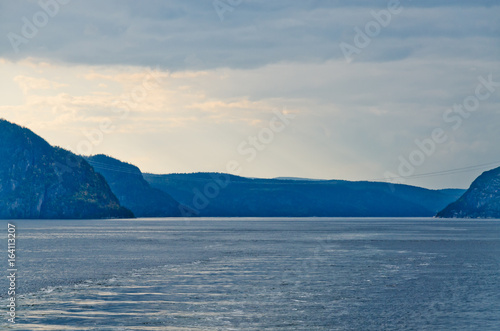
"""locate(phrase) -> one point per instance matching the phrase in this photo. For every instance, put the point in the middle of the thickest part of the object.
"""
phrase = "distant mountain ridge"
(223, 195)
(298, 178)
(481, 200)
(133, 192)
(38, 181)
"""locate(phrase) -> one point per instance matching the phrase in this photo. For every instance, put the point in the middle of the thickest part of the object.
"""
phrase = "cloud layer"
(217, 82)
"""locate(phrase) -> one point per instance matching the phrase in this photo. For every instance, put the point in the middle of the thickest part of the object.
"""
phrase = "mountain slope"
(132, 190)
(481, 200)
(210, 195)
(38, 181)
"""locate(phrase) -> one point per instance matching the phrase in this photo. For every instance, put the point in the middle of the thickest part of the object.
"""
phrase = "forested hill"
(38, 181)
(212, 194)
(132, 190)
(481, 200)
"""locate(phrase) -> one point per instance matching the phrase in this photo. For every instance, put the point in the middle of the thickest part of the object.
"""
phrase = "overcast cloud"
(221, 81)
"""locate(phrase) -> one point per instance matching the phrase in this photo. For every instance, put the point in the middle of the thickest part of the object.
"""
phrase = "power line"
(442, 172)
(115, 168)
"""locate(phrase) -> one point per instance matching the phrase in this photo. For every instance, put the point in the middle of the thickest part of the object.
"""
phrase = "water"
(256, 274)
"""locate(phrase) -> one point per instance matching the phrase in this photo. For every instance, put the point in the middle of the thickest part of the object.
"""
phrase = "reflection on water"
(249, 274)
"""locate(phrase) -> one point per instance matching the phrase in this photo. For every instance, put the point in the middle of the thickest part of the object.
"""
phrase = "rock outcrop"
(481, 200)
(38, 181)
(132, 190)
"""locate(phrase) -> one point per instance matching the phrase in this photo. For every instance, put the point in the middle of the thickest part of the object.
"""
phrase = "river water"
(255, 274)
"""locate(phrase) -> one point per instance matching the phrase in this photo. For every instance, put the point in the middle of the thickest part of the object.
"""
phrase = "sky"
(399, 91)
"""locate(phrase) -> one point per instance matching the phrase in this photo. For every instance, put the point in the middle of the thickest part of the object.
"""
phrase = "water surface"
(257, 274)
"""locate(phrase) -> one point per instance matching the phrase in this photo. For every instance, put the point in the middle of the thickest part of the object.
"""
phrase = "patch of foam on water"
(48, 289)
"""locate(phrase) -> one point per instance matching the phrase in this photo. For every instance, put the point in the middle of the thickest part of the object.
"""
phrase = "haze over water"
(258, 274)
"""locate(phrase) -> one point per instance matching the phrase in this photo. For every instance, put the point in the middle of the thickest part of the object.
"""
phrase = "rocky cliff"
(38, 181)
(134, 193)
(481, 200)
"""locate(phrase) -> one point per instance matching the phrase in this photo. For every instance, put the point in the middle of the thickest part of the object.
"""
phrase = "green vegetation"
(481, 200)
(212, 194)
(132, 190)
(38, 181)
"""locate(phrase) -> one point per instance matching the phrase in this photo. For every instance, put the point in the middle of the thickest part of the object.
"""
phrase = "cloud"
(356, 118)
(218, 82)
(181, 35)
(28, 84)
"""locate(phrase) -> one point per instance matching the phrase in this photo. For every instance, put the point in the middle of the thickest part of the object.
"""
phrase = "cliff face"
(481, 200)
(132, 190)
(38, 181)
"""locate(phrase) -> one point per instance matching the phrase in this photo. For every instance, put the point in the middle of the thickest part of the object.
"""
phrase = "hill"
(132, 190)
(481, 200)
(211, 194)
(38, 181)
